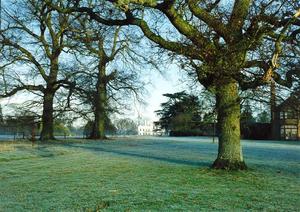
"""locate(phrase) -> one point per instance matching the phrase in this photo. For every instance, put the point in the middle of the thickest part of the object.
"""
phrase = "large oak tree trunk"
(228, 107)
(98, 131)
(47, 117)
(49, 93)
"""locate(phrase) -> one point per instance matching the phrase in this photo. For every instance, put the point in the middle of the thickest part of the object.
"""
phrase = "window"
(291, 114)
(288, 114)
(282, 115)
(289, 132)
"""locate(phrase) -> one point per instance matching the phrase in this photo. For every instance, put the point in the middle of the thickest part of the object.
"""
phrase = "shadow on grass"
(277, 167)
(277, 159)
(145, 156)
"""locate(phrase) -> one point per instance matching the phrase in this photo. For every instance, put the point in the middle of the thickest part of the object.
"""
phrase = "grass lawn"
(151, 174)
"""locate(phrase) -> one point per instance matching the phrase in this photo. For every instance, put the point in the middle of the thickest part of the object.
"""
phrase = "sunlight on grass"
(6, 147)
(142, 175)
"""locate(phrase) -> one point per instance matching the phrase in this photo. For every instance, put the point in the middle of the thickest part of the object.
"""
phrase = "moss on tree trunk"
(228, 107)
(47, 117)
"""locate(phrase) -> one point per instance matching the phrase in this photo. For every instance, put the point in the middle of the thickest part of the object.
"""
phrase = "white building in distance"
(145, 130)
(148, 128)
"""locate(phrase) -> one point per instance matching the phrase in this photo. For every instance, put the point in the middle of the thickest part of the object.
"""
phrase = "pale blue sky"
(166, 82)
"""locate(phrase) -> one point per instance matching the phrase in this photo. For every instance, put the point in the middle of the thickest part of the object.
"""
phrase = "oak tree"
(220, 40)
(33, 37)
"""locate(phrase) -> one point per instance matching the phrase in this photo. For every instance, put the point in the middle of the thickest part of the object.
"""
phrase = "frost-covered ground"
(200, 151)
(146, 173)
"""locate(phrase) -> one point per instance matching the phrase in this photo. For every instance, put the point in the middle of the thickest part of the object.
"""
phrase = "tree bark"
(98, 131)
(230, 155)
(49, 93)
(275, 128)
(47, 117)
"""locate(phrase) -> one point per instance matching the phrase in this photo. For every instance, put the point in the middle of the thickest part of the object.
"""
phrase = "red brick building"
(288, 119)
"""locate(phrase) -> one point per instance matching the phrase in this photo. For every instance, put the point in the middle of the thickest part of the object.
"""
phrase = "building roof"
(292, 102)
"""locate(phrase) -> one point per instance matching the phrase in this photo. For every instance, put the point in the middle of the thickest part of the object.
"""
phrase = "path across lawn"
(146, 173)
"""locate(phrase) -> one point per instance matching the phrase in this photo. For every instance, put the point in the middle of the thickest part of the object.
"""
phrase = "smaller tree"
(182, 112)
(126, 126)
(60, 128)
(34, 38)
(108, 79)
(246, 113)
